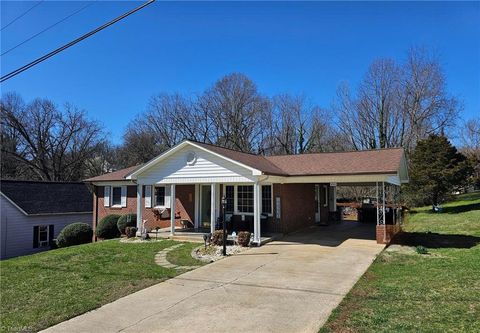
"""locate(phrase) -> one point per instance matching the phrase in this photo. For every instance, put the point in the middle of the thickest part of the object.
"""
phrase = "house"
(33, 213)
(264, 194)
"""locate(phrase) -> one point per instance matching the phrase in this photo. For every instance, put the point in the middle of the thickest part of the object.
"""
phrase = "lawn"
(43, 289)
(408, 292)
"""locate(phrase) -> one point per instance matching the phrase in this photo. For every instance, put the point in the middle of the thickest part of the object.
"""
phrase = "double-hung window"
(160, 196)
(43, 239)
(116, 196)
(267, 199)
(245, 198)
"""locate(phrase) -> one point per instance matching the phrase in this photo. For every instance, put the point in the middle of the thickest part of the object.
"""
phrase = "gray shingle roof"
(36, 197)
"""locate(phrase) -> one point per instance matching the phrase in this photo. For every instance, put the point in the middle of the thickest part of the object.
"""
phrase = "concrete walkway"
(285, 286)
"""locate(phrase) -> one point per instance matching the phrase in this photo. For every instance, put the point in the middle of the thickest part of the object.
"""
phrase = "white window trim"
(154, 197)
(111, 197)
(48, 236)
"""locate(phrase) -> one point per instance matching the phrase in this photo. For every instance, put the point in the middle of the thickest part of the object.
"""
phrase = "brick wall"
(185, 206)
(297, 205)
(385, 232)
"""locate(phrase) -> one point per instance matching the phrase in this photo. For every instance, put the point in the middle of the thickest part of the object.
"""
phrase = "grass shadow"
(435, 240)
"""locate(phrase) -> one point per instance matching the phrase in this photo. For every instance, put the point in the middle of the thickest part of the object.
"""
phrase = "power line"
(48, 28)
(22, 15)
(66, 46)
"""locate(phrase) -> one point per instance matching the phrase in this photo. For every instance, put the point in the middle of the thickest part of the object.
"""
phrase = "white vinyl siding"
(208, 168)
(17, 234)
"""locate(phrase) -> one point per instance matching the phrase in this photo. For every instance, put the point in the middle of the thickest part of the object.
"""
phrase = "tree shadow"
(435, 240)
(461, 209)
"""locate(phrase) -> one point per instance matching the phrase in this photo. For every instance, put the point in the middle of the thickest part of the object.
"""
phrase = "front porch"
(187, 211)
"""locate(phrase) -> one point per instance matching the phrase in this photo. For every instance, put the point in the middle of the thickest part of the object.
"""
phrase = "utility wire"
(48, 28)
(22, 15)
(66, 46)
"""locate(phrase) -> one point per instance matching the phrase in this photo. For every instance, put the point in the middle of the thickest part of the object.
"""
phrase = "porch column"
(173, 203)
(212, 208)
(197, 205)
(256, 213)
(139, 209)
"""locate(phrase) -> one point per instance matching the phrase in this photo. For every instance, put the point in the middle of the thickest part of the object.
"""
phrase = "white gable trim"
(174, 149)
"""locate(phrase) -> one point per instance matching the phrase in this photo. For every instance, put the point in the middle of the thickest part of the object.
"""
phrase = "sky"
(284, 47)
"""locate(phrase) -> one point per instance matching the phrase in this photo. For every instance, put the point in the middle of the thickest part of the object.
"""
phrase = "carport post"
(256, 213)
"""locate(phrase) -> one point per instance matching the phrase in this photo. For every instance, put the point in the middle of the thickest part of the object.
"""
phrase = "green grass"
(411, 292)
(43, 289)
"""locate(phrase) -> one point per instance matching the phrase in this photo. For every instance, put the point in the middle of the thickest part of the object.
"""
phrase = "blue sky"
(290, 47)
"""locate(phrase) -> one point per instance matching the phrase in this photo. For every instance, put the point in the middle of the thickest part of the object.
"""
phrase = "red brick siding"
(185, 206)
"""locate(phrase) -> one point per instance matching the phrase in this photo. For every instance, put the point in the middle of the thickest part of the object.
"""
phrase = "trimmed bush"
(217, 237)
(243, 238)
(130, 231)
(124, 222)
(107, 227)
(75, 234)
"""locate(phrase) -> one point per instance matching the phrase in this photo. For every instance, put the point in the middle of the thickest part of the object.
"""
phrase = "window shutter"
(35, 237)
(124, 196)
(106, 196)
(51, 230)
(148, 196)
(167, 196)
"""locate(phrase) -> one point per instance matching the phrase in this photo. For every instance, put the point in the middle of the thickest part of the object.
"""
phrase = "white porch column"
(139, 209)
(173, 202)
(197, 206)
(212, 208)
(256, 213)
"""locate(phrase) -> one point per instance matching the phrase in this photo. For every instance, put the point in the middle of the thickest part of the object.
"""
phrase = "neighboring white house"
(33, 213)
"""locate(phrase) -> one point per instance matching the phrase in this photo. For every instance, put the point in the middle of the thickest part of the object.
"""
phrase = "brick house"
(264, 194)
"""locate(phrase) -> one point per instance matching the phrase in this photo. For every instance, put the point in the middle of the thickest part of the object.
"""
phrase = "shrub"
(420, 249)
(217, 237)
(243, 238)
(129, 220)
(107, 227)
(130, 231)
(75, 234)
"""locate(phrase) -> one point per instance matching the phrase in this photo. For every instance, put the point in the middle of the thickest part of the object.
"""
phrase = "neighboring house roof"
(380, 161)
(115, 175)
(44, 198)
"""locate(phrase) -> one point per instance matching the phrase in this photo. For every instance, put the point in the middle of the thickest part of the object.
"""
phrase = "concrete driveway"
(290, 285)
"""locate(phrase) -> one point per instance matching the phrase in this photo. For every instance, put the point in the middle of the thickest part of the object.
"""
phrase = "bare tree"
(50, 144)
(301, 127)
(239, 114)
(397, 105)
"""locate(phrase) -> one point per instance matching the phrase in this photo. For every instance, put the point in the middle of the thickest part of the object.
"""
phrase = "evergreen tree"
(436, 170)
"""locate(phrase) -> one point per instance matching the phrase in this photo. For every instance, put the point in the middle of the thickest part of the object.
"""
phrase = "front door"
(317, 203)
(205, 205)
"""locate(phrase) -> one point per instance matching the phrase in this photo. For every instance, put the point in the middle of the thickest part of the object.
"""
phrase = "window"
(229, 195)
(116, 196)
(43, 235)
(245, 198)
(160, 196)
(266, 199)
